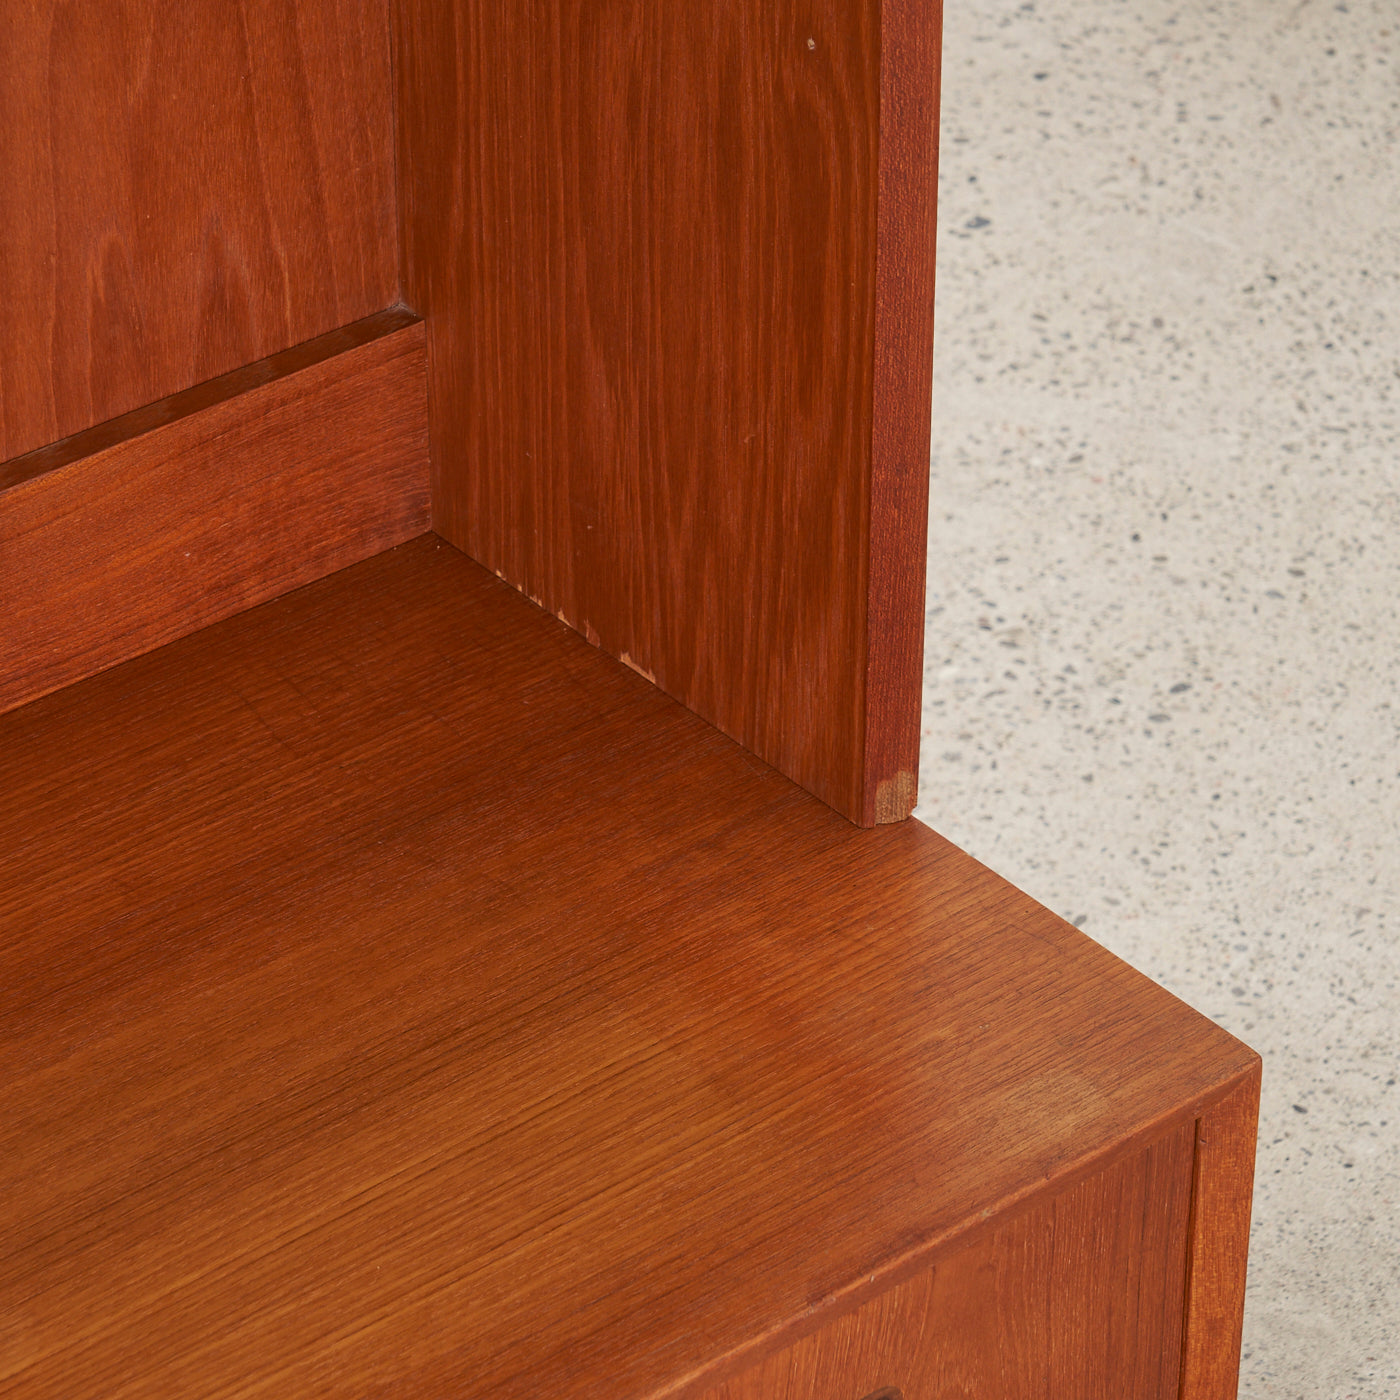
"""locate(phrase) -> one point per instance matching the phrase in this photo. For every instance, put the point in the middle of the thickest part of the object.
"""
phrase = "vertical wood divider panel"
(676, 266)
(167, 519)
(911, 53)
(1222, 1200)
(186, 186)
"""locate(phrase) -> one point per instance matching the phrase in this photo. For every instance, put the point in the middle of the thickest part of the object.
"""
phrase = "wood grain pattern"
(398, 997)
(645, 242)
(1221, 1206)
(187, 187)
(911, 48)
(1076, 1298)
(138, 531)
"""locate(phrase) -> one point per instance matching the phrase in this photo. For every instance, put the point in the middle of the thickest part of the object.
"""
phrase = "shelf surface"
(400, 997)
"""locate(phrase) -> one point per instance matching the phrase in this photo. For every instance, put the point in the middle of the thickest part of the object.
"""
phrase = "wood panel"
(911, 49)
(1222, 1203)
(438, 1009)
(1077, 1298)
(645, 241)
(188, 186)
(143, 529)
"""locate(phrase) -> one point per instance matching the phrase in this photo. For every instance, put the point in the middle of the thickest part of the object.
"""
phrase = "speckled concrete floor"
(1164, 585)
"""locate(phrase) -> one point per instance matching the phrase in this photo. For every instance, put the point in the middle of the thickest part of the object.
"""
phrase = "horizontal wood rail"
(157, 523)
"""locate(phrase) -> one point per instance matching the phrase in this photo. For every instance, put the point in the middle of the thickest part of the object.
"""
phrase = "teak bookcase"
(399, 997)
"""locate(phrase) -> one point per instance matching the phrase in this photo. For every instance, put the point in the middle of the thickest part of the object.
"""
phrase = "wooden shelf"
(398, 996)
(401, 997)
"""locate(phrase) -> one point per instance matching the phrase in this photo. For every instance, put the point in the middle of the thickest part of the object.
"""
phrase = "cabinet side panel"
(644, 239)
(1079, 1296)
(187, 187)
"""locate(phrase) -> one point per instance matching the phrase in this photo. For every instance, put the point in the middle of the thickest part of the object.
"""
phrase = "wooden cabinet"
(461, 535)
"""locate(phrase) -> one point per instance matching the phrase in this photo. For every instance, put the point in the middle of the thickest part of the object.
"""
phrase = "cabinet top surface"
(399, 997)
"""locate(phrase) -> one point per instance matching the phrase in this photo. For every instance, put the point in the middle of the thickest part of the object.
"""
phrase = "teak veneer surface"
(185, 186)
(1077, 1298)
(676, 263)
(911, 46)
(398, 997)
(185, 511)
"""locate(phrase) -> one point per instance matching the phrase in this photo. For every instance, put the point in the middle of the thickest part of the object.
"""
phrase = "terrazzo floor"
(1164, 566)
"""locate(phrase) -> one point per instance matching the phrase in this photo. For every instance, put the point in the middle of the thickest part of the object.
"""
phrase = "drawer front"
(1079, 1297)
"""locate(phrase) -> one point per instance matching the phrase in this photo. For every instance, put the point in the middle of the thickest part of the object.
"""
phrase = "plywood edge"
(1222, 1196)
(153, 525)
(910, 53)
